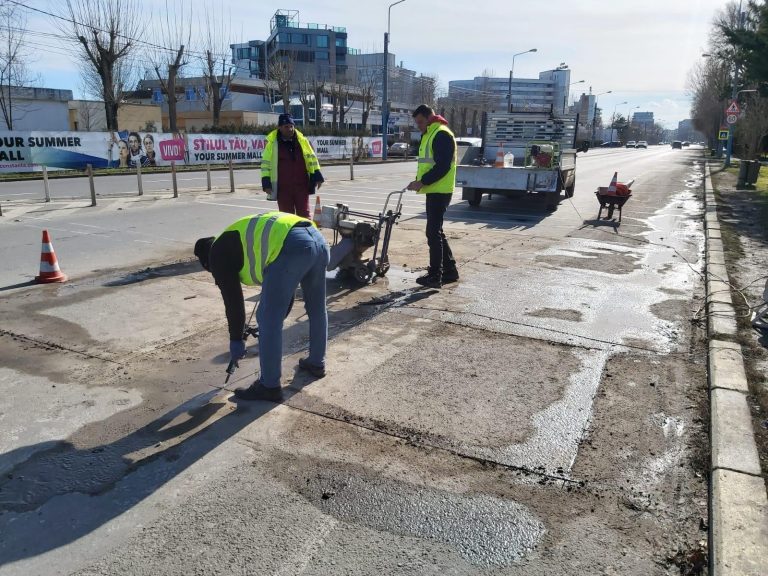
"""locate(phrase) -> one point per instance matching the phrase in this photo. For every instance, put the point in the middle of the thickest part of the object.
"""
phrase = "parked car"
(686, 144)
(469, 141)
(399, 149)
(677, 144)
(642, 144)
(631, 144)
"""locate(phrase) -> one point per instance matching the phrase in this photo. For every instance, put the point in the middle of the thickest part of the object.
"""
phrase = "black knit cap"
(203, 249)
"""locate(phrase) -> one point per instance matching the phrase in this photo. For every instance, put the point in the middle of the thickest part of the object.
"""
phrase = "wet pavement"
(544, 415)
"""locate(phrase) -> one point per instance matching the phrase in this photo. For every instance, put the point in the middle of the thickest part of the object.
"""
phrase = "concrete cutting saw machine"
(355, 233)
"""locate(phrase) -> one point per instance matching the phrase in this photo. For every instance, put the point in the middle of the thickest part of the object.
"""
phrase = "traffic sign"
(733, 108)
(731, 118)
(723, 134)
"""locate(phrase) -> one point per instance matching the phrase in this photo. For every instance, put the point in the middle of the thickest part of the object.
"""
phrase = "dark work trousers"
(440, 255)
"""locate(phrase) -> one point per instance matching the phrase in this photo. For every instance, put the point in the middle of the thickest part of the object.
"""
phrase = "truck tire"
(553, 199)
(474, 196)
(569, 191)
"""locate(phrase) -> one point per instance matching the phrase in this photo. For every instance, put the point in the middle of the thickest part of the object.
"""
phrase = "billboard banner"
(30, 151)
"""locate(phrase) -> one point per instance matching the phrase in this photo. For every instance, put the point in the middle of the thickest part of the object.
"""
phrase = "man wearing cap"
(290, 170)
(279, 251)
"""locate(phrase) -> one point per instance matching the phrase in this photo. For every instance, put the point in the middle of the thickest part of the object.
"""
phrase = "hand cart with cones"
(354, 233)
(613, 196)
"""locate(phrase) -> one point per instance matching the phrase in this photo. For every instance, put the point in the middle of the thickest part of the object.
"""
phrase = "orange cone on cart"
(318, 211)
(612, 185)
(49, 265)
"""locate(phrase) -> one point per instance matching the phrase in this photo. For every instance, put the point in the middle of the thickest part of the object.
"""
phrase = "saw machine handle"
(399, 205)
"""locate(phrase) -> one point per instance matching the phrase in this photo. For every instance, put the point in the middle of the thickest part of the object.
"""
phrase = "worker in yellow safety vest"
(290, 170)
(436, 177)
(278, 251)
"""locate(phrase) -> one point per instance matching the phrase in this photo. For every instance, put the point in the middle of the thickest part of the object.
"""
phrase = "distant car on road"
(631, 144)
(398, 149)
(614, 144)
(468, 141)
(677, 144)
(686, 144)
(642, 144)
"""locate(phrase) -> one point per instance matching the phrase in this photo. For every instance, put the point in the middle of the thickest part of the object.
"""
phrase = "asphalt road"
(125, 230)
(543, 415)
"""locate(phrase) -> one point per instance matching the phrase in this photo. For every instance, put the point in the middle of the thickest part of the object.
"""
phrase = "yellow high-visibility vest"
(447, 183)
(270, 156)
(262, 237)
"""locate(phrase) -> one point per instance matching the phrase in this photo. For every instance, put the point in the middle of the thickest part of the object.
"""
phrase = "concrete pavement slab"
(733, 443)
(722, 319)
(739, 524)
(726, 366)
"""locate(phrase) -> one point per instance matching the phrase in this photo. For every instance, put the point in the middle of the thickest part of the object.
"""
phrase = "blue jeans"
(302, 260)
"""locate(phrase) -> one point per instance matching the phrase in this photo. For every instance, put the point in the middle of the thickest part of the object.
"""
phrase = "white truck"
(544, 157)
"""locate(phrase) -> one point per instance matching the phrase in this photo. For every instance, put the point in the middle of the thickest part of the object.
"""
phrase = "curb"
(738, 535)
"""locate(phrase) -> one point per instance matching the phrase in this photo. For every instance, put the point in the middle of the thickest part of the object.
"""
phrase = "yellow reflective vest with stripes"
(270, 156)
(262, 238)
(426, 161)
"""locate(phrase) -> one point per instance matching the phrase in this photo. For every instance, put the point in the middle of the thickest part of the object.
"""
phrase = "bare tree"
(366, 87)
(109, 33)
(281, 70)
(216, 31)
(175, 30)
(318, 88)
(13, 58)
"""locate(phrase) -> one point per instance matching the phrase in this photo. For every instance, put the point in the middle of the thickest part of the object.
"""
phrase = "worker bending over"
(279, 251)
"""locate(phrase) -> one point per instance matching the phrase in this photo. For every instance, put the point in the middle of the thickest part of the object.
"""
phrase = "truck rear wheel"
(569, 191)
(553, 199)
(474, 196)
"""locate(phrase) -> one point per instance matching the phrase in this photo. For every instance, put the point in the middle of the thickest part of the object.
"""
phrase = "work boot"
(450, 275)
(257, 391)
(430, 280)
(316, 371)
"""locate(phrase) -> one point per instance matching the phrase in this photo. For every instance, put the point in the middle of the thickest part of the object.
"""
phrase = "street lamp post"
(629, 113)
(512, 73)
(613, 118)
(385, 95)
(594, 115)
(734, 96)
(565, 96)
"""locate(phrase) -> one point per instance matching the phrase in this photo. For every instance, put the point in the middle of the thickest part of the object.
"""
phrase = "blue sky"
(640, 49)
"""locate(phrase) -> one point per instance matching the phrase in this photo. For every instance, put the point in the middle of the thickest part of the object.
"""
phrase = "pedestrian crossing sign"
(722, 135)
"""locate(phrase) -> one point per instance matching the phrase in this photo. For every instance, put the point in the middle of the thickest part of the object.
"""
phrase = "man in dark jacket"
(290, 170)
(436, 177)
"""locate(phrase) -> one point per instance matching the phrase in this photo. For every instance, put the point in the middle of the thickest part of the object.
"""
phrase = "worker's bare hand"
(268, 191)
(415, 186)
(318, 185)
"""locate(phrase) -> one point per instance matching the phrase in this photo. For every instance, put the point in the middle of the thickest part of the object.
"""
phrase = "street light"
(613, 118)
(565, 96)
(385, 95)
(512, 73)
(735, 94)
(594, 115)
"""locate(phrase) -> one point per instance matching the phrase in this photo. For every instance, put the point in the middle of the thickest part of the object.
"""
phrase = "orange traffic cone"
(49, 265)
(612, 185)
(318, 211)
(499, 157)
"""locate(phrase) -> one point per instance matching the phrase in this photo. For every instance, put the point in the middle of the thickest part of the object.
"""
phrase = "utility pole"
(385, 94)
